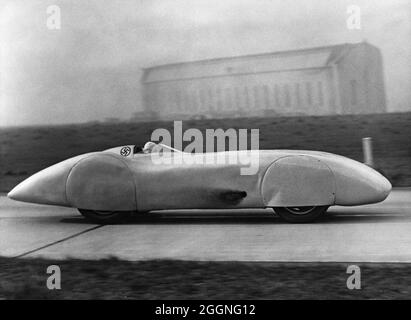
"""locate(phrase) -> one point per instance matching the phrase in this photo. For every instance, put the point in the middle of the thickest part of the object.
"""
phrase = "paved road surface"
(380, 232)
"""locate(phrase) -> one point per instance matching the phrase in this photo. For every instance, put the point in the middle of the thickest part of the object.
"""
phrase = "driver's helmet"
(149, 147)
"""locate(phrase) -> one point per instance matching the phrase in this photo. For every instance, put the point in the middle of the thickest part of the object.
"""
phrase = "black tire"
(105, 217)
(300, 214)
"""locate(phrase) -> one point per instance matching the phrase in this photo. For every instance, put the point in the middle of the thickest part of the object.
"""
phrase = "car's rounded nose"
(355, 182)
(374, 188)
(361, 185)
(384, 187)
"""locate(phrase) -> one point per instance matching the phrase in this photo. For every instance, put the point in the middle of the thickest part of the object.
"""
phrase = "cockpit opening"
(152, 147)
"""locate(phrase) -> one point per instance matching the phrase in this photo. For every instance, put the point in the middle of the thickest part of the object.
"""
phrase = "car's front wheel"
(105, 217)
(300, 214)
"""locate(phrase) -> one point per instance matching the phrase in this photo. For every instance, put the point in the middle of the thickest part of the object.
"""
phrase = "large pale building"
(339, 79)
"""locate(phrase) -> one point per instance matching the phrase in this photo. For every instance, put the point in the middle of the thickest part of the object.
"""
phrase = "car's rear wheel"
(300, 214)
(105, 217)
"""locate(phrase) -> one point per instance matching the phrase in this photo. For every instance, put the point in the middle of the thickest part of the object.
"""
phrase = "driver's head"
(148, 147)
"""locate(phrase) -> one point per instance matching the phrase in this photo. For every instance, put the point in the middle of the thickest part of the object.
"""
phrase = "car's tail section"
(47, 186)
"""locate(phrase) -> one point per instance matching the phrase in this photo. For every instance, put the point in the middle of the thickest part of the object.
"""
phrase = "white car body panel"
(115, 180)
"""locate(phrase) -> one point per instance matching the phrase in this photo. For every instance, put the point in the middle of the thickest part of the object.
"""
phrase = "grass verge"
(171, 279)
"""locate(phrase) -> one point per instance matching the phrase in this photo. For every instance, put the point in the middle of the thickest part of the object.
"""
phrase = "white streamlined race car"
(109, 186)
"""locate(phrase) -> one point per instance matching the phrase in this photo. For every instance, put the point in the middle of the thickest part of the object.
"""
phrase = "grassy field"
(167, 279)
(23, 151)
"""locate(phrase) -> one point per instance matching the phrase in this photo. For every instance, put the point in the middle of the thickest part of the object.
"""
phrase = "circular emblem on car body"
(125, 151)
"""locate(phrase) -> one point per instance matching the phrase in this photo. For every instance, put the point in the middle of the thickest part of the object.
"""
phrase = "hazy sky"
(90, 69)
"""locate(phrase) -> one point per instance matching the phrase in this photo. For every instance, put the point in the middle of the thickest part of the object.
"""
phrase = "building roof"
(309, 58)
